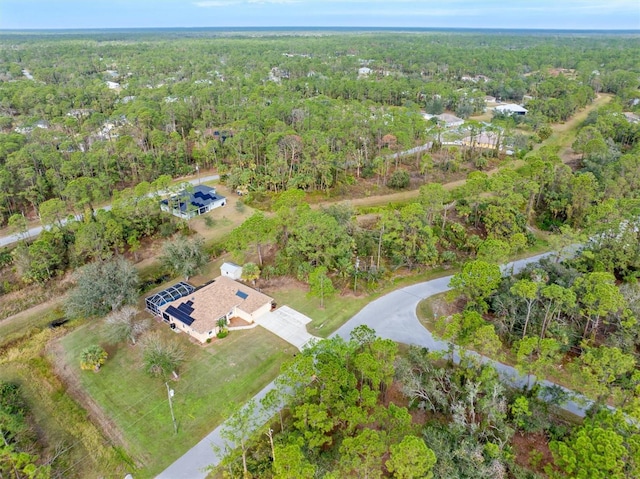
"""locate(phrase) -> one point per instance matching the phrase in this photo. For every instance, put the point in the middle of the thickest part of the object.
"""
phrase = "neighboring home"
(449, 120)
(483, 140)
(511, 109)
(631, 117)
(187, 204)
(177, 291)
(25, 130)
(112, 85)
(475, 79)
(490, 99)
(364, 71)
(199, 313)
(231, 270)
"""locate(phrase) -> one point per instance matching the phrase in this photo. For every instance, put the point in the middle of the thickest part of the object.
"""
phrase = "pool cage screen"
(177, 291)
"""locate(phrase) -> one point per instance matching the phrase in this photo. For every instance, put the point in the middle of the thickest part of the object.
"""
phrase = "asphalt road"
(36, 230)
(392, 316)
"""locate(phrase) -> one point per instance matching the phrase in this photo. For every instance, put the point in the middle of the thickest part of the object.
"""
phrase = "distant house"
(631, 117)
(199, 313)
(364, 71)
(511, 109)
(449, 120)
(445, 119)
(112, 85)
(187, 204)
(483, 140)
(231, 270)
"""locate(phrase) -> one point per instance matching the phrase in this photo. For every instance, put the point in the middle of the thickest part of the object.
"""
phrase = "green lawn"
(336, 311)
(60, 422)
(342, 307)
(227, 371)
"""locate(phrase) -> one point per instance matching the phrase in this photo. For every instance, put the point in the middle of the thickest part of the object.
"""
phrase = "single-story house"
(187, 204)
(631, 117)
(231, 270)
(112, 85)
(511, 109)
(199, 313)
(485, 140)
(449, 120)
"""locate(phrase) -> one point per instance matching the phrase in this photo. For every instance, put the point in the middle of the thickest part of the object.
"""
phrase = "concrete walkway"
(392, 316)
(288, 324)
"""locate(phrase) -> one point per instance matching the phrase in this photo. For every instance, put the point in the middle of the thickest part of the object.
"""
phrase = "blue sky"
(556, 14)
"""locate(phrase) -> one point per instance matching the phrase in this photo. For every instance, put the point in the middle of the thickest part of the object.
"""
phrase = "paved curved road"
(393, 316)
(36, 230)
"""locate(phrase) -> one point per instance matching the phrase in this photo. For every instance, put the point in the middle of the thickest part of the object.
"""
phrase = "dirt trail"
(562, 136)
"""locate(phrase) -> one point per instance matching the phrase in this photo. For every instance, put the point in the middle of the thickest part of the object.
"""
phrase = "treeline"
(361, 409)
(487, 217)
(99, 234)
(271, 112)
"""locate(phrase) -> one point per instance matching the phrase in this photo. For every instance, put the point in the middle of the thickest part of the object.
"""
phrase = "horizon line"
(374, 27)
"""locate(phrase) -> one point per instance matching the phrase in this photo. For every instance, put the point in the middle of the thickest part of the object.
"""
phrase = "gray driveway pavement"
(392, 316)
(288, 324)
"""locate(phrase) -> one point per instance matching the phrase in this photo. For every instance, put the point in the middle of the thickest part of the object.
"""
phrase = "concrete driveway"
(288, 324)
(392, 316)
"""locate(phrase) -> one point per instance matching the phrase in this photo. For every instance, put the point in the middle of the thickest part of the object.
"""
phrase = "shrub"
(209, 222)
(399, 179)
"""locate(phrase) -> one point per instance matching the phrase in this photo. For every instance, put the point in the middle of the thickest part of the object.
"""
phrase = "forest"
(299, 128)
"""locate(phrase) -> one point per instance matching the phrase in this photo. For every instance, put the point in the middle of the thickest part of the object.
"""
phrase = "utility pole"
(170, 393)
(355, 275)
(379, 248)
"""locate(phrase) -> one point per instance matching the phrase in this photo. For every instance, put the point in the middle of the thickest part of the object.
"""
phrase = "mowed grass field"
(225, 372)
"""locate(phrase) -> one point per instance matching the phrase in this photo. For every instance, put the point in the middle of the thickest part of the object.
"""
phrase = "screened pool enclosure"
(177, 291)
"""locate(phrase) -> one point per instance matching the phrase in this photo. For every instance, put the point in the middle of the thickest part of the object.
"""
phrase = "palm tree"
(93, 357)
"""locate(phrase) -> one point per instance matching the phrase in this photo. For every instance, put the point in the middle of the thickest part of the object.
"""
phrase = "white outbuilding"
(231, 270)
(511, 109)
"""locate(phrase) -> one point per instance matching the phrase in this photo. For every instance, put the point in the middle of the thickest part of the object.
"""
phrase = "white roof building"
(231, 270)
(511, 109)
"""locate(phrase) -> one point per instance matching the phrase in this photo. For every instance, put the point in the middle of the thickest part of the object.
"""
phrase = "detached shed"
(231, 270)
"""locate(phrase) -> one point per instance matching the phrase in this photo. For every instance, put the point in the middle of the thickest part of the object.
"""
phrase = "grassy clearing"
(59, 421)
(336, 311)
(25, 325)
(212, 377)
(342, 307)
